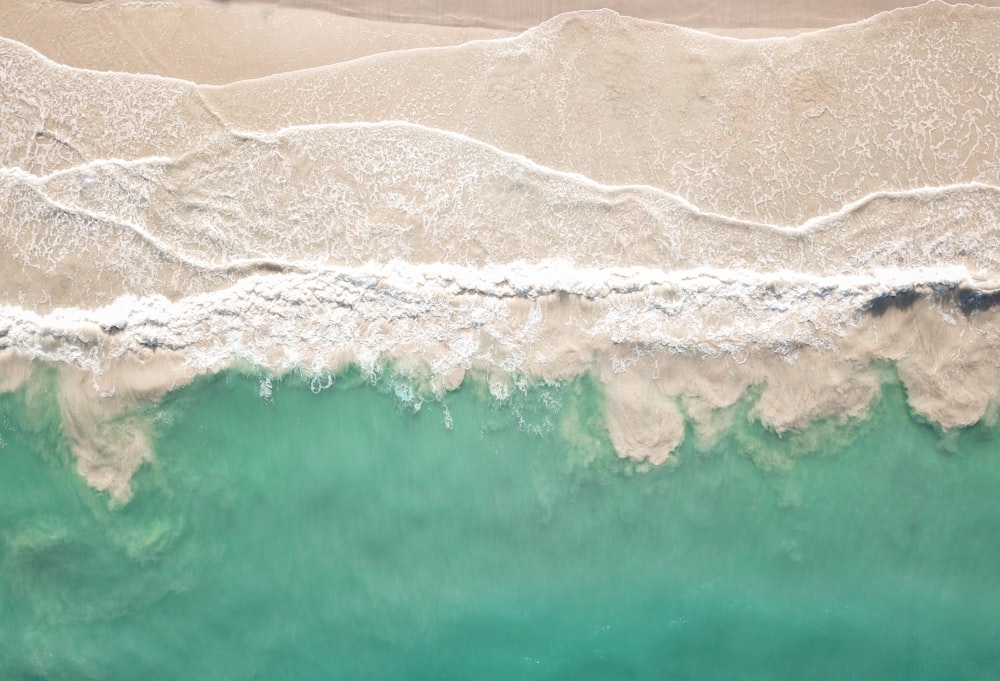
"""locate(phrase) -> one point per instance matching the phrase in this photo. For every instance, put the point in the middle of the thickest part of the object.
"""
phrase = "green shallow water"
(342, 535)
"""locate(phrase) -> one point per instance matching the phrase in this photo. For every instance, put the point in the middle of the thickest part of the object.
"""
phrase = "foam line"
(812, 224)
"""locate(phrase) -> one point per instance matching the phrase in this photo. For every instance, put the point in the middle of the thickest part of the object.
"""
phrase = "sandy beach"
(523, 14)
(461, 189)
(209, 42)
(217, 42)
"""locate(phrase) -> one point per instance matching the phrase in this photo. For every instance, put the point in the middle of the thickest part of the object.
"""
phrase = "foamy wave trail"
(901, 101)
(347, 194)
(658, 340)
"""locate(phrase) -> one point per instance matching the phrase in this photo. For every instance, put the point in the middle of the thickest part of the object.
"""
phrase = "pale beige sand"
(774, 130)
(216, 43)
(431, 245)
(208, 42)
(522, 14)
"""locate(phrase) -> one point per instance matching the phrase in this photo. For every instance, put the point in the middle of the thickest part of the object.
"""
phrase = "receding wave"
(348, 194)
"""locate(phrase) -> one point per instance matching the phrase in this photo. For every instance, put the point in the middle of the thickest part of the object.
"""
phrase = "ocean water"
(359, 532)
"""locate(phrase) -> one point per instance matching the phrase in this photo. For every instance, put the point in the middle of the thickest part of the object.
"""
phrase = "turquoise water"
(347, 535)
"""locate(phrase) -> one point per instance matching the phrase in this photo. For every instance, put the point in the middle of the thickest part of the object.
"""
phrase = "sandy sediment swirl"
(665, 344)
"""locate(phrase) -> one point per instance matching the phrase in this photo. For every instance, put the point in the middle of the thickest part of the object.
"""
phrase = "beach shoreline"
(780, 216)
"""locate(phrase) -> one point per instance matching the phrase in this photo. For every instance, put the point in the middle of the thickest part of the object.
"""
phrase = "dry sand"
(218, 42)
(210, 42)
(521, 14)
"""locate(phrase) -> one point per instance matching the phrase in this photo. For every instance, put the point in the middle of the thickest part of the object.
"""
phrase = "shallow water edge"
(353, 534)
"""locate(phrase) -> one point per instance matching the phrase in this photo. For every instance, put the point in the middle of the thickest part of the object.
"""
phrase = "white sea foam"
(637, 328)
(348, 194)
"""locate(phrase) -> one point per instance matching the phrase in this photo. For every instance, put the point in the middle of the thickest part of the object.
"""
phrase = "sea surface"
(289, 530)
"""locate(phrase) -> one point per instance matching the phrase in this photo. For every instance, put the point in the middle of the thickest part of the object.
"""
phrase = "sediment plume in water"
(686, 216)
